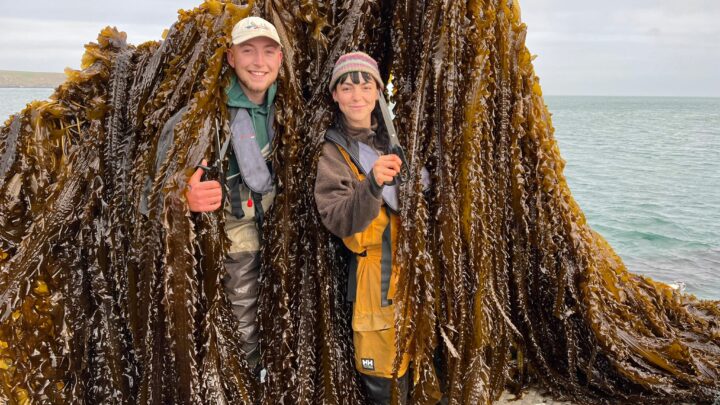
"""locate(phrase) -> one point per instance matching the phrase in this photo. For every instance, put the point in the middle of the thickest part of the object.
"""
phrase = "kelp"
(107, 296)
(516, 269)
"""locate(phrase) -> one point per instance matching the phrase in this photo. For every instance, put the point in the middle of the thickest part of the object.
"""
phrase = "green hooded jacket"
(258, 114)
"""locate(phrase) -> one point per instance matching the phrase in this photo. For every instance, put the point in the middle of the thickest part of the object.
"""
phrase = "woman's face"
(356, 101)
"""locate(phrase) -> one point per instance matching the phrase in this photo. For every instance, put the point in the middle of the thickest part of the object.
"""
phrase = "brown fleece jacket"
(346, 204)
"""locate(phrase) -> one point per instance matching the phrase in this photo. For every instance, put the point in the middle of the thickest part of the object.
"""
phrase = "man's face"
(256, 63)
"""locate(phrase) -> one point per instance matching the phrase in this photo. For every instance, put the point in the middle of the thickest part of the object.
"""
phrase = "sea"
(644, 170)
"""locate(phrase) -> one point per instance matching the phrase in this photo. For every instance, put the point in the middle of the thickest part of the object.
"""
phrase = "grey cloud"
(692, 17)
(49, 35)
(643, 47)
(119, 12)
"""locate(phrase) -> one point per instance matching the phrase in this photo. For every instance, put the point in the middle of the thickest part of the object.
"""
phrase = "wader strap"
(236, 200)
(259, 211)
(352, 278)
(386, 262)
(352, 275)
(233, 113)
(232, 184)
(269, 125)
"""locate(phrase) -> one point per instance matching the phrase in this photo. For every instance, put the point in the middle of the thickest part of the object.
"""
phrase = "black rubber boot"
(380, 389)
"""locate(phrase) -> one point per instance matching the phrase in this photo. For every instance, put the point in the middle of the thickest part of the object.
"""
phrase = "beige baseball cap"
(253, 27)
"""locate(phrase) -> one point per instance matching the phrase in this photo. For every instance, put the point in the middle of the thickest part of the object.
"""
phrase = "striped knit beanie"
(355, 62)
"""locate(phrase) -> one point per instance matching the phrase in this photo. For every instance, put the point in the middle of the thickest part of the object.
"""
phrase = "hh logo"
(368, 364)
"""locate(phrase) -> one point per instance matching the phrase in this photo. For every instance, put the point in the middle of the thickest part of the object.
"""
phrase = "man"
(255, 56)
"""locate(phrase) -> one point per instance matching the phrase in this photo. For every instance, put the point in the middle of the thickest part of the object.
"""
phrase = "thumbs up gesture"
(203, 196)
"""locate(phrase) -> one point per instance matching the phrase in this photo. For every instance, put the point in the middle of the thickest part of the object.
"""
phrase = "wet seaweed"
(503, 283)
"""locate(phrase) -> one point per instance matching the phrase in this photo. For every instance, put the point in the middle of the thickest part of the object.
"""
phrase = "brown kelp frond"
(590, 328)
(111, 290)
(303, 312)
(114, 294)
(519, 271)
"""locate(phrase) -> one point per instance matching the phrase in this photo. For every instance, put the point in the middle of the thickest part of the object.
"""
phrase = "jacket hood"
(237, 98)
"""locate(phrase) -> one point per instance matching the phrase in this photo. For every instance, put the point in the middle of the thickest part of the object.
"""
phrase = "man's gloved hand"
(203, 196)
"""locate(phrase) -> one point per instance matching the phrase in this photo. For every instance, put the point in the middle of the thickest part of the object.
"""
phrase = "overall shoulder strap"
(269, 124)
(233, 111)
(350, 163)
(349, 148)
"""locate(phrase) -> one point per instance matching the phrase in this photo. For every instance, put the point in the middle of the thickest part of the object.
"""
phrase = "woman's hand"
(203, 196)
(386, 167)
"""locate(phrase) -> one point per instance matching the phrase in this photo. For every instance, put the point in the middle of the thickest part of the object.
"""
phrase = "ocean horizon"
(645, 170)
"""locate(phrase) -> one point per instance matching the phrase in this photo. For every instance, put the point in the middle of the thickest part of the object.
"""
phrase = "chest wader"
(372, 281)
(249, 192)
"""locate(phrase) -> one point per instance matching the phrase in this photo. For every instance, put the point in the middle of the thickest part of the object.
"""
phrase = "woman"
(357, 204)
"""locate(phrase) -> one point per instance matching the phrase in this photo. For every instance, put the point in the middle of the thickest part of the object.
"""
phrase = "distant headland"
(17, 79)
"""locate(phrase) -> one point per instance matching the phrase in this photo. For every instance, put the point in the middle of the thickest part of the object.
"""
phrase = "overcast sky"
(607, 47)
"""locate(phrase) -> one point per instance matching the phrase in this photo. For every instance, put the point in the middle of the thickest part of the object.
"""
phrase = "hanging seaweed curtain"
(503, 283)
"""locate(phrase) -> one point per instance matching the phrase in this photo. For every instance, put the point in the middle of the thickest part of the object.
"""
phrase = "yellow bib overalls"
(374, 324)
